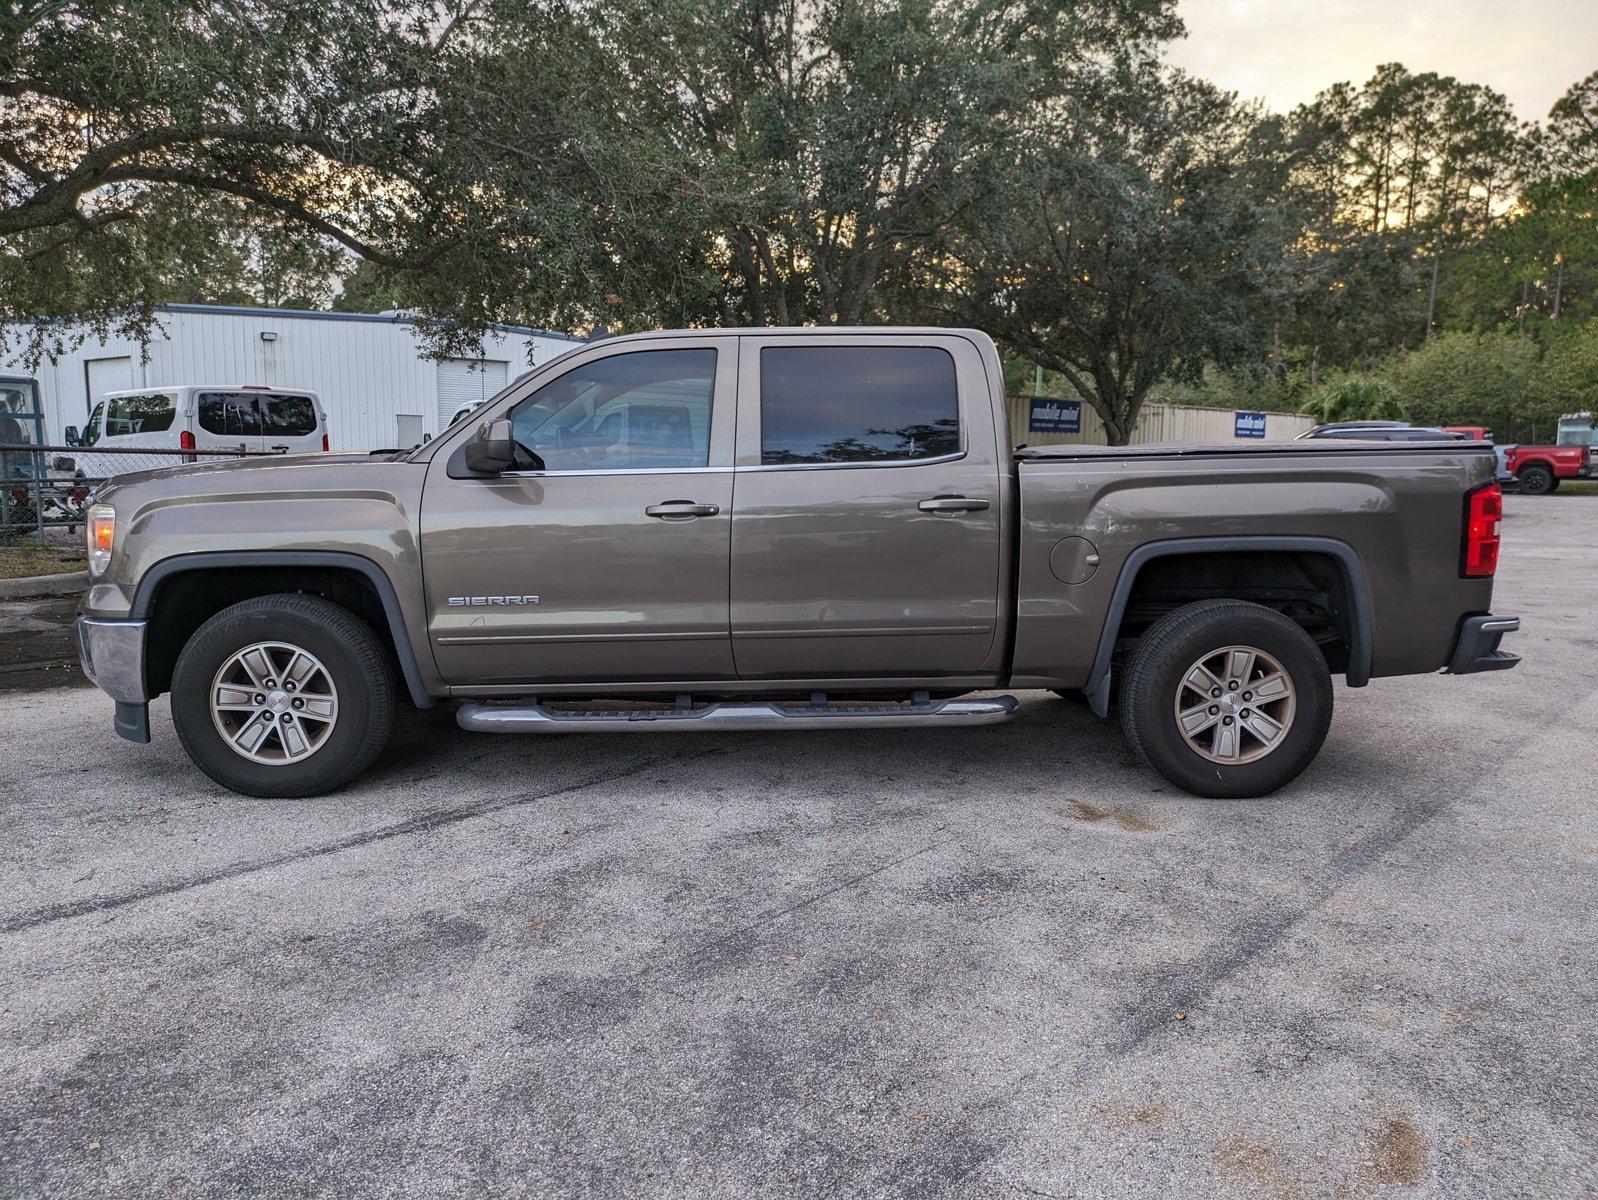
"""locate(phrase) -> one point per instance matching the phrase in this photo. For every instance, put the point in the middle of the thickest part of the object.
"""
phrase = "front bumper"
(1477, 648)
(111, 653)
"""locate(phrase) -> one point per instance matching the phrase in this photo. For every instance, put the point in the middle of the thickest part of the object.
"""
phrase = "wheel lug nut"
(260, 699)
(1214, 708)
(1226, 720)
(297, 702)
(1248, 695)
(1215, 692)
(289, 686)
(1232, 685)
(271, 683)
(286, 718)
(1244, 713)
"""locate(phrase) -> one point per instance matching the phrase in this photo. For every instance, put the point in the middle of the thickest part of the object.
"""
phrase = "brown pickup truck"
(783, 529)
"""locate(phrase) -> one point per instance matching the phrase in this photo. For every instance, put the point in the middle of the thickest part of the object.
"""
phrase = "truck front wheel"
(1537, 481)
(285, 696)
(1226, 699)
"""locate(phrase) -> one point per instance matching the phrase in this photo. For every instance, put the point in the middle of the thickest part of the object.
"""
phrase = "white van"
(217, 417)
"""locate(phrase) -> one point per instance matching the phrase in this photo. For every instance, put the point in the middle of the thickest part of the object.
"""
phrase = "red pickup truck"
(1538, 469)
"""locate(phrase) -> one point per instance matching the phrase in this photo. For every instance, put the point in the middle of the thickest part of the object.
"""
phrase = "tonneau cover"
(1226, 449)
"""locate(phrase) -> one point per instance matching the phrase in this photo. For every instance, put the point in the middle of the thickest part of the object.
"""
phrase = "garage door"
(107, 375)
(467, 381)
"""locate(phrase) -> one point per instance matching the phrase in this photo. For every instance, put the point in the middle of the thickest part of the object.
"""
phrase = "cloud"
(1284, 51)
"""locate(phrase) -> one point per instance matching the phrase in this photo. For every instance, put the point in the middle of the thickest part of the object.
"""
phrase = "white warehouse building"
(377, 389)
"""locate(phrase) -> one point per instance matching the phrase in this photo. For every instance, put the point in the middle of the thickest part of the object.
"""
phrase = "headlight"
(101, 531)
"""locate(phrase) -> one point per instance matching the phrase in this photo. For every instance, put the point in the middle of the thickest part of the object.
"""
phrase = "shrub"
(1355, 398)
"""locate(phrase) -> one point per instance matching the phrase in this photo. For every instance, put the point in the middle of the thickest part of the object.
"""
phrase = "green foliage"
(161, 147)
(1025, 167)
(1570, 142)
(1470, 379)
(1566, 379)
(1355, 398)
(1539, 265)
(826, 147)
(1121, 244)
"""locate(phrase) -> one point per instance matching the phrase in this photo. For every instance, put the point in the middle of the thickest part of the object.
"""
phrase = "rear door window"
(857, 404)
(138, 414)
(284, 415)
(229, 414)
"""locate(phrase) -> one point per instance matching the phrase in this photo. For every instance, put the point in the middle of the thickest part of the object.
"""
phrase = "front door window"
(644, 411)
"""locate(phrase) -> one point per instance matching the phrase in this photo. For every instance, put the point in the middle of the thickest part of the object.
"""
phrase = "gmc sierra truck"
(782, 529)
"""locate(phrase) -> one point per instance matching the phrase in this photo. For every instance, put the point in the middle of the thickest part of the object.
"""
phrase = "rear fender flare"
(1097, 688)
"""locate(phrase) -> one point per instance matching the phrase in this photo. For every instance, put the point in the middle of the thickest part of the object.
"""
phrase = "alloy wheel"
(274, 703)
(1235, 705)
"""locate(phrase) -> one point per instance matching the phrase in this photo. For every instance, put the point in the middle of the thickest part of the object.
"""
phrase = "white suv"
(219, 417)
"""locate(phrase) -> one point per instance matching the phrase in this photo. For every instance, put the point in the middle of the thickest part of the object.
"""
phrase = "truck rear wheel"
(283, 696)
(1537, 481)
(1226, 699)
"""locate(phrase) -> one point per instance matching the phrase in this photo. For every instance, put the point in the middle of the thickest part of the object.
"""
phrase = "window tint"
(646, 409)
(138, 414)
(229, 414)
(285, 415)
(1359, 435)
(19, 415)
(824, 404)
(91, 431)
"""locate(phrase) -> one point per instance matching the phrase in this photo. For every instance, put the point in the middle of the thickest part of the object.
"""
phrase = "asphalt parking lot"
(966, 963)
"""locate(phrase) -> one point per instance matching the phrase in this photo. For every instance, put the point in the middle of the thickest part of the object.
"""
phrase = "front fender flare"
(180, 564)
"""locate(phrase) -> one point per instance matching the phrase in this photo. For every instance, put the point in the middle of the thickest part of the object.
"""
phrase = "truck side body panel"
(1399, 510)
(837, 570)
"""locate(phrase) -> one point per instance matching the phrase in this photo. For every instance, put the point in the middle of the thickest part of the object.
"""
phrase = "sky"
(1284, 51)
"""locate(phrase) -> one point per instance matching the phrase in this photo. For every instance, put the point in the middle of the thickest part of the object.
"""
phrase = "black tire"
(1152, 684)
(1537, 481)
(353, 658)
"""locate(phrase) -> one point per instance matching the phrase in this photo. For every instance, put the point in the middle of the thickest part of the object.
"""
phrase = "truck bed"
(1381, 521)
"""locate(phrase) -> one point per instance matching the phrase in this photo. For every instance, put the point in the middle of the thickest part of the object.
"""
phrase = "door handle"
(280, 449)
(681, 510)
(952, 504)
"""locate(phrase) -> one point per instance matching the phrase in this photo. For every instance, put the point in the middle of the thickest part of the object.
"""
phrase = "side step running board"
(536, 718)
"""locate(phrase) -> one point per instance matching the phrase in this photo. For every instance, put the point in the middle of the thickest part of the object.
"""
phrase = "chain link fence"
(49, 487)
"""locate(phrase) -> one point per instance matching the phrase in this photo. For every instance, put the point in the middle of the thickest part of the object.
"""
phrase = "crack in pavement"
(1254, 935)
(707, 950)
(438, 819)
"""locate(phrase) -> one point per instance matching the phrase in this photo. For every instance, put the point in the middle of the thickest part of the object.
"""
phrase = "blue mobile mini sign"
(1054, 416)
(1249, 425)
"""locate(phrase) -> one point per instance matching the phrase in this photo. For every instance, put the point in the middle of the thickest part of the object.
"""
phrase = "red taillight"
(1484, 509)
(185, 440)
(324, 442)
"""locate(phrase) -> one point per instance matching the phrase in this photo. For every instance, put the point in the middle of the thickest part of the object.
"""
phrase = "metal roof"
(312, 314)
